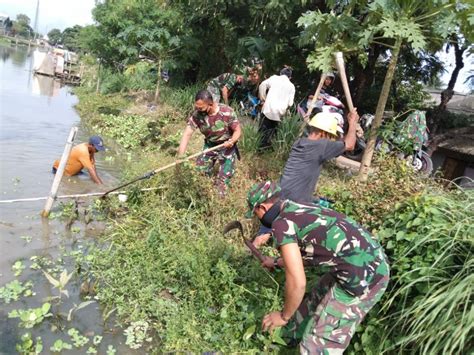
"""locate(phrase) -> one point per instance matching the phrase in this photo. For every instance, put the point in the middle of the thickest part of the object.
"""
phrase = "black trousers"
(267, 129)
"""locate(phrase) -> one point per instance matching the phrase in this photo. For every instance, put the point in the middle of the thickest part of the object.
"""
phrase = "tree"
(54, 36)
(22, 26)
(393, 24)
(70, 38)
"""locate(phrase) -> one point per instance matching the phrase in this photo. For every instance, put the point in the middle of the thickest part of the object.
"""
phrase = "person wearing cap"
(308, 237)
(301, 171)
(82, 156)
(277, 94)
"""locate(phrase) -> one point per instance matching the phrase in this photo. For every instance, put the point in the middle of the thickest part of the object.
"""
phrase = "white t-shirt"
(280, 96)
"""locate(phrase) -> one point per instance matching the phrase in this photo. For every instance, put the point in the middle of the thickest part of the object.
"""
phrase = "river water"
(36, 115)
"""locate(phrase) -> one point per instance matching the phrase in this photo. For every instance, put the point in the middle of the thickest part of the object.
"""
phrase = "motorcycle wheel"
(423, 163)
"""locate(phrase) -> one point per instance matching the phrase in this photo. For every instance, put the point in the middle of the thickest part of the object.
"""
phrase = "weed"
(18, 267)
(77, 339)
(29, 346)
(59, 345)
(251, 137)
(286, 134)
(13, 290)
(32, 316)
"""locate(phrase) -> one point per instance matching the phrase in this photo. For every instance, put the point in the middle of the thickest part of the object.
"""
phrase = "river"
(36, 115)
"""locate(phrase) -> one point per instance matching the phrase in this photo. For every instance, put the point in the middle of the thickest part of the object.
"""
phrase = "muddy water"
(36, 115)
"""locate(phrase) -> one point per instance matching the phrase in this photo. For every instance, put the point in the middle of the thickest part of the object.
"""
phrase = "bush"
(428, 307)
(391, 181)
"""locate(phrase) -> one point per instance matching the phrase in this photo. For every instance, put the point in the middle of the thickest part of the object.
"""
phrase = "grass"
(165, 261)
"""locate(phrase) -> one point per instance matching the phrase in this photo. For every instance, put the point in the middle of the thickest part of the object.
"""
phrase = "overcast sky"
(52, 13)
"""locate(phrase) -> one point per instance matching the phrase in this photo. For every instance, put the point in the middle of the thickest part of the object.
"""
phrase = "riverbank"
(166, 271)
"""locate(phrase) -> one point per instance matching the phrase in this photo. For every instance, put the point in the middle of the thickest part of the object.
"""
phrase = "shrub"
(428, 308)
(391, 181)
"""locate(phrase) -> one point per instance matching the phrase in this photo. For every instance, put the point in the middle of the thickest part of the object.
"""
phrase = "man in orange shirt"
(82, 156)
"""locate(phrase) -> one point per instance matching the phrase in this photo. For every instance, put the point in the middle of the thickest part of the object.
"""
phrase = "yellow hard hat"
(325, 121)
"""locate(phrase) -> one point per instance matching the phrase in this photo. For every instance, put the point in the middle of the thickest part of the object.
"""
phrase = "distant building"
(5, 25)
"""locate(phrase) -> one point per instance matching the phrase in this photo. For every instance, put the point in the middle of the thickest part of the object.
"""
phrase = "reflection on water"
(36, 115)
(45, 85)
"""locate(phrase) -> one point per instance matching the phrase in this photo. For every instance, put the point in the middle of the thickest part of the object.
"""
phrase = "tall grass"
(442, 321)
(286, 134)
(251, 138)
(428, 308)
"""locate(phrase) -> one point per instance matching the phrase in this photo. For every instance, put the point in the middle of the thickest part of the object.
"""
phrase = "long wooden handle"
(188, 158)
(315, 97)
(254, 250)
(151, 173)
(342, 73)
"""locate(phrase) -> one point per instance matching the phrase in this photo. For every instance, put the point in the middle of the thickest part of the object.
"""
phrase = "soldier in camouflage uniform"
(228, 83)
(219, 124)
(310, 236)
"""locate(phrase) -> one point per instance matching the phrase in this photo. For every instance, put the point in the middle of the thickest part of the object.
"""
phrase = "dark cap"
(97, 142)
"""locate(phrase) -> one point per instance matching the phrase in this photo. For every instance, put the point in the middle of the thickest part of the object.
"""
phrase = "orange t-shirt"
(78, 159)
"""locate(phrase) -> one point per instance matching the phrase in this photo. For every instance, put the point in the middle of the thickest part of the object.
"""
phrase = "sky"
(52, 13)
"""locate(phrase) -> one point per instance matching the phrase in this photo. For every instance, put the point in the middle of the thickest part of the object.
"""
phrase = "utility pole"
(35, 27)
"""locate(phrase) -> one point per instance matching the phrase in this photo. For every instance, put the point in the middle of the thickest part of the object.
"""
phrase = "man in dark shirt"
(301, 172)
(309, 236)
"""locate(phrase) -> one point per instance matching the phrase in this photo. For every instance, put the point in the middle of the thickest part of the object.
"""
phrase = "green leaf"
(249, 332)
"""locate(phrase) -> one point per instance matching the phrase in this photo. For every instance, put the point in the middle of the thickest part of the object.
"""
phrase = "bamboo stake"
(59, 173)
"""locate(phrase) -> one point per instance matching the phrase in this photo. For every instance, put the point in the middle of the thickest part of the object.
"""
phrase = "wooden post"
(59, 173)
(157, 91)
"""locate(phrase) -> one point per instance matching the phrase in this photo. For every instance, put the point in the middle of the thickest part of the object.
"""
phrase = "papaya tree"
(392, 24)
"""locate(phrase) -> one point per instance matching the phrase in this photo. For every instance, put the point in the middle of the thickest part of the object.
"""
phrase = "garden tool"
(342, 73)
(237, 225)
(154, 172)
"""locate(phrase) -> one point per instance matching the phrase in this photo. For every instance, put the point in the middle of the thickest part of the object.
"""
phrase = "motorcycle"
(406, 139)
(249, 106)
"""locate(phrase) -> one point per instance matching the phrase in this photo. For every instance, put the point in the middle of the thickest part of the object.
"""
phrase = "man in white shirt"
(277, 94)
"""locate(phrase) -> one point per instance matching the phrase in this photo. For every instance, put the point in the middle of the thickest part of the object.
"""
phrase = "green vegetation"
(175, 282)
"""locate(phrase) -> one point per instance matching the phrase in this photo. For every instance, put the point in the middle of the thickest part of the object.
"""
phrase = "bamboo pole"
(59, 173)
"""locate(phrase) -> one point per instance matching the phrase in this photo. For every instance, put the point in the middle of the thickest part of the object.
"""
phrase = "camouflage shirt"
(216, 128)
(228, 80)
(328, 238)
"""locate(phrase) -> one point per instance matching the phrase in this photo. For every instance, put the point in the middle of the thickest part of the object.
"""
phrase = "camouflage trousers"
(215, 92)
(328, 316)
(226, 160)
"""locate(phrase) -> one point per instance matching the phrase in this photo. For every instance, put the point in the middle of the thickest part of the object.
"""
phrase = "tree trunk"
(157, 91)
(365, 76)
(447, 94)
(369, 150)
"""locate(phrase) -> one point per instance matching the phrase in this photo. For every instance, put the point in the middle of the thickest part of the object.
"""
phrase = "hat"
(97, 142)
(325, 121)
(259, 193)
